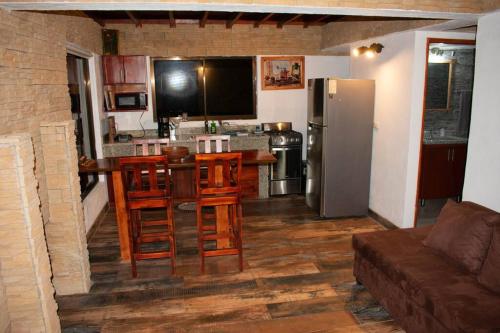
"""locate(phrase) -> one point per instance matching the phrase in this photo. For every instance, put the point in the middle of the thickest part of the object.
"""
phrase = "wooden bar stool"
(144, 189)
(206, 141)
(143, 146)
(221, 190)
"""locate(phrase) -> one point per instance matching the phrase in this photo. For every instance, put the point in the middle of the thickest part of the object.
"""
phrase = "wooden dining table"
(111, 165)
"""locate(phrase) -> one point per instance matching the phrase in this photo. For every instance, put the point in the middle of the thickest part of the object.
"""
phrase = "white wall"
(399, 72)
(272, 105)
(95, 201)
(392, 71)
(482, 176)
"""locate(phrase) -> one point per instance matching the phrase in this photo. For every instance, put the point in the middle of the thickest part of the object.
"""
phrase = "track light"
(368, 51)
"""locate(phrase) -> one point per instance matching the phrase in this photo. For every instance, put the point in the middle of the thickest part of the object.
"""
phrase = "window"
(81, 111)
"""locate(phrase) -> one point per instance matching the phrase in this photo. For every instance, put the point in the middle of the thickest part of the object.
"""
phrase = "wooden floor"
(297, 278)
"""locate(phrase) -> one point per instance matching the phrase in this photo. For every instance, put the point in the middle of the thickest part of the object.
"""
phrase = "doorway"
(449, 80)
(81, 112)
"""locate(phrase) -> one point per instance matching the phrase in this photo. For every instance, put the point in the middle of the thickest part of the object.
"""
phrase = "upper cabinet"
(124, 69)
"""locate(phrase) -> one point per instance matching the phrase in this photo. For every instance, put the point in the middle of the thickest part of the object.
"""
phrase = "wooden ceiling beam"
(262, 20)
(231, 22)
(316, 21)
(171, 19)
(133, 18)
(293, 18)
(95, 19)
(203, 20)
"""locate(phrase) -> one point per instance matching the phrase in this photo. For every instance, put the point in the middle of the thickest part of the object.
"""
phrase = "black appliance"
(212, 88)
(131, 101)
(163, 127)
(286, 145)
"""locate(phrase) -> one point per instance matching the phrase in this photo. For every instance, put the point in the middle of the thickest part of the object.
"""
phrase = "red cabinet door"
(459, 158)
(113, 69)
(436, 179)
(134, 69)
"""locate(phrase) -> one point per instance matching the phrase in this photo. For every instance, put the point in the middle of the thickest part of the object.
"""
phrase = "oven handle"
(285, 148)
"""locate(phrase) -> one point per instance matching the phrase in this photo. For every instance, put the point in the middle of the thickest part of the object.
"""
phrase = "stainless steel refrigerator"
(339, 146)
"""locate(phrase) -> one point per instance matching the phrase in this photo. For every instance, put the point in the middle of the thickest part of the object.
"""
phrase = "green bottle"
(213, 128)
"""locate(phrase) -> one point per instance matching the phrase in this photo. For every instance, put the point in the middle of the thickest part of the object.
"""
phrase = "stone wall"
(215, 40)
(455, 121)
(25, 268)
(4, 311)
(343, 32)
(66, 237)
(33, 79)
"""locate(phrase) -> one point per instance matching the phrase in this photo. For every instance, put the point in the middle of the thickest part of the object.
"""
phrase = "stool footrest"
(221, 252)
(154, 222)
(223, 235)
(153, 255)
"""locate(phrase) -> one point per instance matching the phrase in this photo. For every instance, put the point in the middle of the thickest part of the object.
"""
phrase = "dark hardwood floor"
(297, 278)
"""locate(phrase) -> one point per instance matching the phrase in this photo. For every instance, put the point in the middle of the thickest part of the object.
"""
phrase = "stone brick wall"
(190, 40)
(25, 268)
(461, 98)
(4, 311)
(342, 32)
(33, 80)
(65, 232)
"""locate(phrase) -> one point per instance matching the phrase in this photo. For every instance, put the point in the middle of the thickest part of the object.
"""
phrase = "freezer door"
(314, 162)
(315, 101)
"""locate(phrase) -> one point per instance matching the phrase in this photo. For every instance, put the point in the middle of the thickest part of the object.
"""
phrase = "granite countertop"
(251, 141)
(445, 140)
(190, 138)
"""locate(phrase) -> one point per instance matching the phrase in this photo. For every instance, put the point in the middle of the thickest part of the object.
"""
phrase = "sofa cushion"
(463, 233)
(490, 272)
(437, 284)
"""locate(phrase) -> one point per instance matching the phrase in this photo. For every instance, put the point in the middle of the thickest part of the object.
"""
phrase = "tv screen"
(178, 87)
(223, 88)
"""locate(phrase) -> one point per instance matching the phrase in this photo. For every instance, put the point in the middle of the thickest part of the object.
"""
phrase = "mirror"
(438, 85)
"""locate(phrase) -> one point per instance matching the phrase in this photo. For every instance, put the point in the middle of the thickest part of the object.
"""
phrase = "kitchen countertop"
(445, 140)
(251, 141)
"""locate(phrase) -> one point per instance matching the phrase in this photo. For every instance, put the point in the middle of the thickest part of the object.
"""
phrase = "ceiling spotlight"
(368, 51)
(376, 47)
(359, 51)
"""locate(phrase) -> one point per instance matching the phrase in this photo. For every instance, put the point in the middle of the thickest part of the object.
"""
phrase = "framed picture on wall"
(284, 72)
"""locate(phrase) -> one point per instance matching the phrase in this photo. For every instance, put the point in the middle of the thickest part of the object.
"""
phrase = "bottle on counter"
(213, 128)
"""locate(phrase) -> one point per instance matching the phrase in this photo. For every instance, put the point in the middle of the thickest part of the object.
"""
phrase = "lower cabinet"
(442, 170)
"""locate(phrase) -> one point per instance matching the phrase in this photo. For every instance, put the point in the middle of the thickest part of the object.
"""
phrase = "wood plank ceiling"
(229, 19)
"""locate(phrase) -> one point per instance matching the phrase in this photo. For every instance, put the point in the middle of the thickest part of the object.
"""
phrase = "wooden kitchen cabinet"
(442, 170)
(124, 69)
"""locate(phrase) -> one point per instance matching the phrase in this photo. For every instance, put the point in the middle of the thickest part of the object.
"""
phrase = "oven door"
(289, 160)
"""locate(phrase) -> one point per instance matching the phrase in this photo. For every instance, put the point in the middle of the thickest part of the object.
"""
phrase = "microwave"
(131, 101)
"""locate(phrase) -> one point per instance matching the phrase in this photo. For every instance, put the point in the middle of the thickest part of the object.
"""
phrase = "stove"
(286, 145)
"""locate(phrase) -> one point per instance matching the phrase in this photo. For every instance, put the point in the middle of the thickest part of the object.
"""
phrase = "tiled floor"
(297, 278)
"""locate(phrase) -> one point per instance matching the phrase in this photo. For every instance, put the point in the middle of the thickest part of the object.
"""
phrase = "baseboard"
(98, 221)
(382, 220)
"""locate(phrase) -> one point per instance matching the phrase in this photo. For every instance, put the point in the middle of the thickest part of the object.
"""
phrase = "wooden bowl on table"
(175, 153)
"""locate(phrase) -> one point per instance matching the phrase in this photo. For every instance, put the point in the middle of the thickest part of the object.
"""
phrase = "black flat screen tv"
(220, 88)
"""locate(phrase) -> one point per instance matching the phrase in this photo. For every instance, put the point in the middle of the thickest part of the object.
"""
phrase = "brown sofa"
(423, 289)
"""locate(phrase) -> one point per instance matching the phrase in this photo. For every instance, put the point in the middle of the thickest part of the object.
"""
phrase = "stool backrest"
(143, 146)
(206, 141)
(222, 176)
(144, 176)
